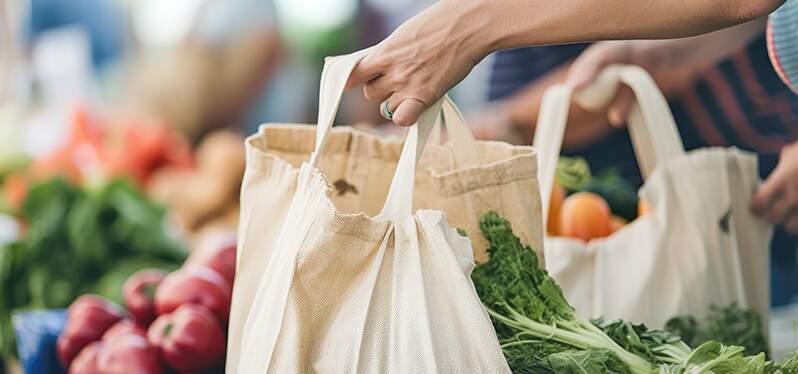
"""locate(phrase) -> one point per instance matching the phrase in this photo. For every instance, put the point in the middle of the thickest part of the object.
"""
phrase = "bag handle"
(398, 203)
(653, 131)
(465, 148)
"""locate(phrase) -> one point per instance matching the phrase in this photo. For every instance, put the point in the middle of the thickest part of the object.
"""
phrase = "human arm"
(432, 52)
(674, 63)
(514, 118)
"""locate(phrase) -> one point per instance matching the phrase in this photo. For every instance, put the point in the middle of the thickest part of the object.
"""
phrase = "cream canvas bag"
(324, 289)
(699, 246)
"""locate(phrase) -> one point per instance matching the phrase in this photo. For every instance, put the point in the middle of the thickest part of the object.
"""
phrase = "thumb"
(585, 69)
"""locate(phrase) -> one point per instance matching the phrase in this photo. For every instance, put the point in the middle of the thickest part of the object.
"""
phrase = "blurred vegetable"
(129, 354)
(573, 173)
(730, 325)
(200, 195)
(195, 285)
(585, 216)
(217, 252)
(190, 338)
(88, 318)
(139, 293)
(86, 360)
(620, 196)
(80, 240)
(123, 327)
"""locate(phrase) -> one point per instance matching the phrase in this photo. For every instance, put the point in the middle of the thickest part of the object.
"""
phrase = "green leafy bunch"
(540, 333)
(80, 240)
(730, 325)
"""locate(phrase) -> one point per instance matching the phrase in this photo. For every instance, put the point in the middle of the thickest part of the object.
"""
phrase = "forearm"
(505, 24)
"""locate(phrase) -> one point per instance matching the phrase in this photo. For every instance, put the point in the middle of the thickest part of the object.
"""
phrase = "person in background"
(717, 96)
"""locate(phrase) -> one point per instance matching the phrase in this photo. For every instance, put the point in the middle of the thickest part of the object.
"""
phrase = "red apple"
(190, 338)
(217, 252)
(123, 327)
(195, 285)
(86, 361)
(139, 294)
(87, 320)
(129, 354)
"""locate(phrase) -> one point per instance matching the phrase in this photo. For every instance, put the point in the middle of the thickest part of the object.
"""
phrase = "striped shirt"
(783, 42)
(740, 102)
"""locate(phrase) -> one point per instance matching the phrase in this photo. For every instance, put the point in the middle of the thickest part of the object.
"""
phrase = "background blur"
(160, 76)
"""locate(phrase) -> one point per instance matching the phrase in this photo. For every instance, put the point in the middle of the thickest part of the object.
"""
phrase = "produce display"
(173, 321)
(117, 196)
(540, 333)
(205, 197)
(80, 240)
(586, 206)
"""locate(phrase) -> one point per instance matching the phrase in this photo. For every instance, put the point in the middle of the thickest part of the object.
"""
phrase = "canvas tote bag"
(322, 290)
(699, 246)
(463, 178)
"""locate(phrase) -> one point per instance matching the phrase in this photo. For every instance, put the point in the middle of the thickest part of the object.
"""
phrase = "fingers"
(378, 89)
(769, 192)
(791, 223)
(621, 106)
(408, 111)
(365, 70)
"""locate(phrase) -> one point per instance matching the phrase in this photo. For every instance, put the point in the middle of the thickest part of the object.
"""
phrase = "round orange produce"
(555, 203)
(643, 208)
(585, 216)
(617, 223)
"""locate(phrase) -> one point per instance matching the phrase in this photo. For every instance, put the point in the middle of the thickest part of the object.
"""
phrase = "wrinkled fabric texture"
(699, 246)
(330, 280)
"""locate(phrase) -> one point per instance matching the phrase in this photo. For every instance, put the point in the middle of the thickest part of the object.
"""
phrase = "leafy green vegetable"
(77, 241)
(790, 364)
(619, 194)
(526, 305)
(539, 332)
(591, 360)
(730, 325)
(573, 173)
(716, 358)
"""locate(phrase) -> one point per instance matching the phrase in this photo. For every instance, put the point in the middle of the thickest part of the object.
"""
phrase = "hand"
(777, 198)
(674, 64)
(424, 58)
(589, 65)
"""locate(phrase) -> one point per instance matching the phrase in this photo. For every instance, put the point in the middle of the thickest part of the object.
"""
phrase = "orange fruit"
(617, 223)
(643, 208)
(585, 216)
(555, 203)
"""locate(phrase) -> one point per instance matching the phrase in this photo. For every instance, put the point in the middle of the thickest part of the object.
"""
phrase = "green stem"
(579, 335)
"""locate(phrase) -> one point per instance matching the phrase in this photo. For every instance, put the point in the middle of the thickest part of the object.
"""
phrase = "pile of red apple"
(173, 323)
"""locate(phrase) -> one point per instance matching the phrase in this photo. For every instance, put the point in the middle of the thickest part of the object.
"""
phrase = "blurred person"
(209, 73)
(429, 54)
(773, 136)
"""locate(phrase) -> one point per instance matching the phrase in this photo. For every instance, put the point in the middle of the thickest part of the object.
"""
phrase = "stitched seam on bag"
(300, 139)
(459, 182)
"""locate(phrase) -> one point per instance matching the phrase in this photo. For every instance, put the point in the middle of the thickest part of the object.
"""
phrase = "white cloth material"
(699, 246)
(322, 290)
